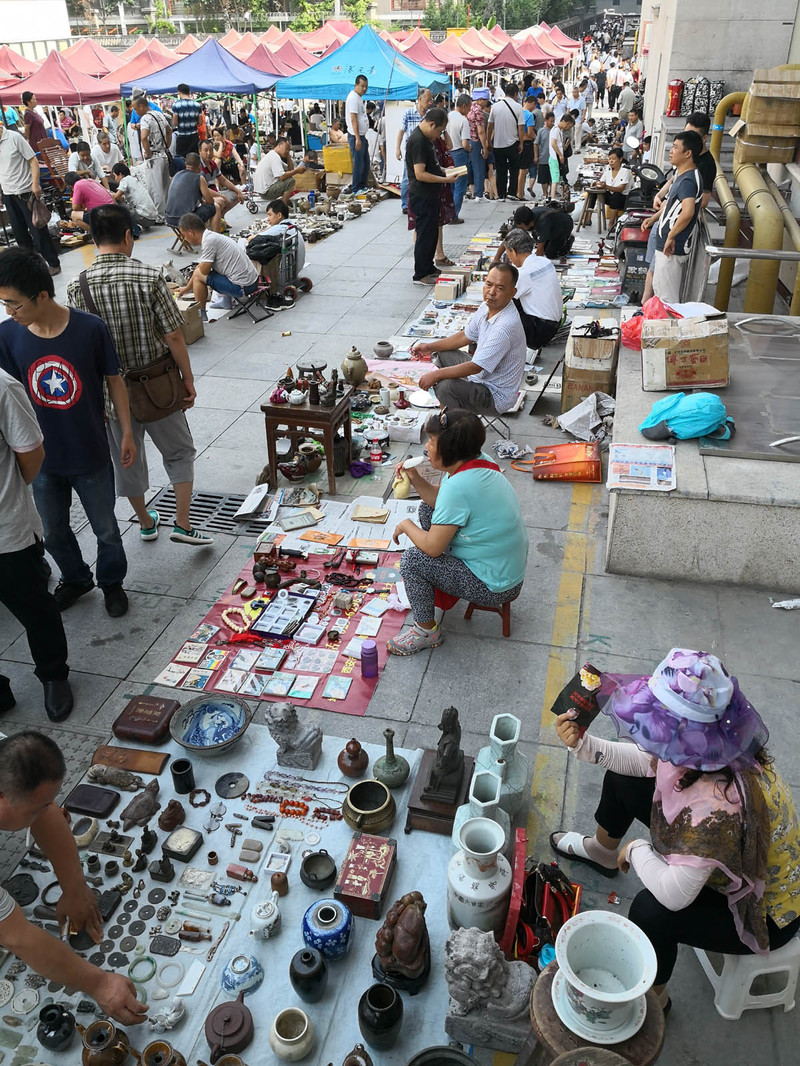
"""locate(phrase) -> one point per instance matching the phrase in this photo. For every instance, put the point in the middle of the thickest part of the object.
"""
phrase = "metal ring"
(46, 892)
(172, 963)
(196, 793)
(138, 962)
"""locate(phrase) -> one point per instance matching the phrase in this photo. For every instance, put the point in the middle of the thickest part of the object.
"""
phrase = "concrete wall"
(722, 40)
(25, 21)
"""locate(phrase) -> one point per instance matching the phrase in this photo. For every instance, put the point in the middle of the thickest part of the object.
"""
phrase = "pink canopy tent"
(471, 41)
(148, 61)
(536, 56)
(283, 37)
(189, 44)
(498, 33)
(270, 35)
(558, 55)
(450, 50)
(292, 55)
(91, 58)
(508, 56)
(230, 39)
(16, 65)
(264, 59)
(141, 43)
(400, 36)
(331, 48)
(244, 46)
(344, 26)
(560, 38)
(419, 48)
(7, 79)
(58, 82)
(324, 37)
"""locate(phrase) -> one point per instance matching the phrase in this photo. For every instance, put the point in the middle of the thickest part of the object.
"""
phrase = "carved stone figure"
(172, 815)
(299, 746)
(489, 996)
(162, 869)
(141, 808)
(169, 1016)
(447, 771)
(402, 945)
(150, 837)
(101, 774)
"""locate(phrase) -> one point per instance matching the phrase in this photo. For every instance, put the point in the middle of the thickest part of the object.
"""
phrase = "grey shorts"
(172, 437)
(461, 392)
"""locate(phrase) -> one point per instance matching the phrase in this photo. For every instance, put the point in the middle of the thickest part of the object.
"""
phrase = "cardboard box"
(448, 287)
(685, 353)
(192, 327)
(337, 178)
(771, 109)
(757, 148)
(595, 348)
(582, 377)
(337, 157)
(311, 179)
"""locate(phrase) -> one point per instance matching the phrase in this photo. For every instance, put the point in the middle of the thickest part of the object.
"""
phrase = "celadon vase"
(502, 758)
(479, 878)
(484, 802)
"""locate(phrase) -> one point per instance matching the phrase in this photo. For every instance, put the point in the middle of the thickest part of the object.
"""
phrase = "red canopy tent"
(343, 26)
(264, 59)
(245, 46)
(283, 37)
(270, 35)
(531, 50)
(141, 43)
(419, 48)
(16, 65)
(331, 48)
(559, 55)
(91, 58)
(324, 37)
(230, 39)
(58, 82)
(558, 37)
(450, 51)
(498, 33)
(400, 36)
(292, 54)
(7, 79)
(148, 61)
(471, 41)
(508, 56)
(189, 44)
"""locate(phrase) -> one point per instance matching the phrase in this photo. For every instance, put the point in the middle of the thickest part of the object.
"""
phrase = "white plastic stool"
(733, 983)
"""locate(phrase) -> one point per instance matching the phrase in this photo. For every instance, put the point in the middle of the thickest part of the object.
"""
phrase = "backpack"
(700, 414)
(263, 248)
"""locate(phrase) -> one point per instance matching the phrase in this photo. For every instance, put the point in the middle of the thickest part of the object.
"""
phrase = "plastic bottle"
(369, 659)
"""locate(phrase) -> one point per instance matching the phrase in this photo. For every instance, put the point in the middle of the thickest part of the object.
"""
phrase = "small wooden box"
(366, 874)
(146, 719)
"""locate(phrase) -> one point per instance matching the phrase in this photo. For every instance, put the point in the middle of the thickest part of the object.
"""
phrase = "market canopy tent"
(419, 48)
(141, 43)
(270, 35)
(147, 62)
(244, 46)
(294, 57)
(91, 58)
(560, 38)
(450, 50)
(58, 82)
(210, 69)
(189, 44)
(343, 26)
(471, 41)
(16, 65)
(7, 79)
(323, 38)
(531, 51)
(391, 75)
(230, 38)
(508, 56)
(265, 60)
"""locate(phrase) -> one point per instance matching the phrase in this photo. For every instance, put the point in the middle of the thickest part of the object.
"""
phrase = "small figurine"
(162, 870)
(299, 746)
(141, 862)
(169, 1016)
(101, 774)
(150, 837)
(172, 816)
(141, 808)
(448, 769)
(403, 950)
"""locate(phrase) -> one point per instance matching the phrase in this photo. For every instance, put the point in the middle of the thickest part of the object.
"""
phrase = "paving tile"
(169, 638)
(754, 637)
(172, 569)
(90, 690)
(228, 470)
(222, 393)
(206, 423)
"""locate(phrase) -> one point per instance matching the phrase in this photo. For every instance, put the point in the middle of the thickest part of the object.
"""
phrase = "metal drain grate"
(211, 511)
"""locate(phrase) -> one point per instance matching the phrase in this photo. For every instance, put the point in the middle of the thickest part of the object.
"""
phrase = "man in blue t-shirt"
(675, 228)
(64, 357)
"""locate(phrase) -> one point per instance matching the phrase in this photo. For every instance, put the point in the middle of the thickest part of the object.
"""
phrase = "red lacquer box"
(366, 874)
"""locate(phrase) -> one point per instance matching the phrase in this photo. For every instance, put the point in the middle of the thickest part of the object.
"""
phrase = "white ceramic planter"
(479, 878)
(292, 1035)
(606, 965)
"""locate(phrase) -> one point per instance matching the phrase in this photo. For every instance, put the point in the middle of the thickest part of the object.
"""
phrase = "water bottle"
(312, 199)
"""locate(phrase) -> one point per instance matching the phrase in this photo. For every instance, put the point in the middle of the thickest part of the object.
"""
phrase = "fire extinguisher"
(674, 97)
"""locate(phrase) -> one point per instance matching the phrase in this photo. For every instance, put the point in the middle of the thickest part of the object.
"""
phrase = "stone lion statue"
(299, 746)
(479, 977)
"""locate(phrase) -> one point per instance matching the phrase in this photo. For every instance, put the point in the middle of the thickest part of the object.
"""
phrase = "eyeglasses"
(13, 308)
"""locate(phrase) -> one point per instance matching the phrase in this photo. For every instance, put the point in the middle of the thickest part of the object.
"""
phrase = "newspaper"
(642, 466)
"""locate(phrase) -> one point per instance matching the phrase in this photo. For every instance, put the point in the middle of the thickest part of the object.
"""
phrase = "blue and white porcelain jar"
(328, 927)
(244, 973)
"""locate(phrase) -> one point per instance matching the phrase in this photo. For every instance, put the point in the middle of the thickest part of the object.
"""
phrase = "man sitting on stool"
(539, 300)
(223, 265)
(488, 380)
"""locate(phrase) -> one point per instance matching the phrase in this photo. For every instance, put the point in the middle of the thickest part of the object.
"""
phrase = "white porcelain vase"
(479, 878)
(606, 965)
(502, 758)
(484, 802)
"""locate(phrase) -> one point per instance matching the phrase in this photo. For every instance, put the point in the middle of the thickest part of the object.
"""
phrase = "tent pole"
(258, 137)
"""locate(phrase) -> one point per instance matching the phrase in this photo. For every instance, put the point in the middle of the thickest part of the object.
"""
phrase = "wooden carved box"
(366, 874)
(146, 719)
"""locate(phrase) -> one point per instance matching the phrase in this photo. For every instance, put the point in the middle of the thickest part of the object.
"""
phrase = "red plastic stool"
(504, 611)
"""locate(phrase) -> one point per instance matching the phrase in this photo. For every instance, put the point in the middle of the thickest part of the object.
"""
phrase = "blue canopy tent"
(211, 69)
(391, 75)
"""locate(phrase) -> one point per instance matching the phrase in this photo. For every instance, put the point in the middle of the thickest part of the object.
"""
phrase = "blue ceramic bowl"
(210, 725)
(328, 927)
(244, 973)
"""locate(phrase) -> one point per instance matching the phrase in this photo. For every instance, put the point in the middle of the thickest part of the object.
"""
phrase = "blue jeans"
(220, 283)
(53, 496)
(404, 188)
(360, 162)
(460, 159)
(478, 167)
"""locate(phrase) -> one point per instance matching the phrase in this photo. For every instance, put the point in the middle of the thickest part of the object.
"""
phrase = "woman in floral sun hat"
(721, 869)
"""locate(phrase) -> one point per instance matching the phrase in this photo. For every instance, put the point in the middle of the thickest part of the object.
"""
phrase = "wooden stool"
(549, 1037)
(599, 206)
(308, 420)
(504, 611)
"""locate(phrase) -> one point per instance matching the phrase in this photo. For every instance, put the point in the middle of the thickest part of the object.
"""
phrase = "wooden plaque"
(133, 759)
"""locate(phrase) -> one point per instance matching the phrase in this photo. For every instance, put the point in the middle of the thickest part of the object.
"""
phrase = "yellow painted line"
(503, 1058)
(88, 254)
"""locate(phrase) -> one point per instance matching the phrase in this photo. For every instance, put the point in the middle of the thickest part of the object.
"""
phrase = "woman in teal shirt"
(471, 543)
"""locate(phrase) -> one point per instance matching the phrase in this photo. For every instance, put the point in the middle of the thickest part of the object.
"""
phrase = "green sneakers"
(190, 536)
(152, 532)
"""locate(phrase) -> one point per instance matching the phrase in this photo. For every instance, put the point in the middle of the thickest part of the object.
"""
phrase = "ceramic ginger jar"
(380, 1016)
(328, 927)
(308, 973)
(292, 1035)
(479, 878)
(354, 367)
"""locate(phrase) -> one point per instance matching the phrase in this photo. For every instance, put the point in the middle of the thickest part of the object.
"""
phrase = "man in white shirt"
(273, 178)
(458, 132)
(83, 163)
(613, 84)
(133, 192)
(156, 137)
(19, 181)
(105, 154)
(488, 380)
(223, 267)
(539, 300)
(357, 125)
(506, 133)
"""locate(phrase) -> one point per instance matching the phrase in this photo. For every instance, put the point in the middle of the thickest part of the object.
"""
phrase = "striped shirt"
(500, 353)
(411, 119)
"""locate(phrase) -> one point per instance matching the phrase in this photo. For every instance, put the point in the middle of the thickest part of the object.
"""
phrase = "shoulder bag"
(516, 122)
(155, 390)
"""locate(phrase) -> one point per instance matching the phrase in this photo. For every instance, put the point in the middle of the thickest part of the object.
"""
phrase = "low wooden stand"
(432, 815)
(310, 420)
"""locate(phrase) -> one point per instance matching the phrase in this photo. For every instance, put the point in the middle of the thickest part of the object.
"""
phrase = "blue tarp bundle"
(211, 69)
(391, 75)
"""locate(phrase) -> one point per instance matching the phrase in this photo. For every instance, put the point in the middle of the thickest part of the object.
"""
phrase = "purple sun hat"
(690, 712)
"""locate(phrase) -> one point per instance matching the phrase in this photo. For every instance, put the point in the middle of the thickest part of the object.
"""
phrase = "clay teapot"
(161, 1053)
(354, 367)
(103, 1044)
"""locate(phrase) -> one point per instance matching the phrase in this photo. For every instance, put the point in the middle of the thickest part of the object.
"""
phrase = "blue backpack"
(700, 414)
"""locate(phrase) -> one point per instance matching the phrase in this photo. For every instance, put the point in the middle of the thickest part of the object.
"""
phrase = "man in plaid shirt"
(411, 119)
(135, 303)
